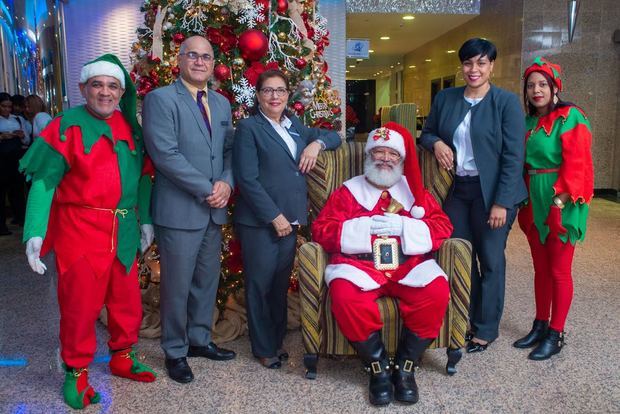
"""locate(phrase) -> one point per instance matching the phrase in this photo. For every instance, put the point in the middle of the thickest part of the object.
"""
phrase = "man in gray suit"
(188, 135)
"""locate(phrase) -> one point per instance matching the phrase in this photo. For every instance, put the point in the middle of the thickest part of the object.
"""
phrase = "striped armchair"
(320, 332)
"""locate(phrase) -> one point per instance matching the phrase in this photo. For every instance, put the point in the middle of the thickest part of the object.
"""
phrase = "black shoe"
(5, 232)
(536, 334)
(469, 336)
(374, 356)
(410, 349)
(282, 354)
(179, 370)
(211, 351)
(271, 363)
(549, 346)
(473, 347)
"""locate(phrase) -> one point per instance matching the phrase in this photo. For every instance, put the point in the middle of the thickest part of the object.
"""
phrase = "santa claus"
(380, 229)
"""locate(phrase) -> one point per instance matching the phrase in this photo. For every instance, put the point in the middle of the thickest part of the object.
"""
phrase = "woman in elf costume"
(560, 179)
(89, 189)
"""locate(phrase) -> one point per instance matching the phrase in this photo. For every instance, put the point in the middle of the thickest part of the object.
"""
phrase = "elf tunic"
(89, 178)
(558, 159)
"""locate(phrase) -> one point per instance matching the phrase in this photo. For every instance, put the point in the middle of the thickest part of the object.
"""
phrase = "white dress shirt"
(282, 130)
(465, 163)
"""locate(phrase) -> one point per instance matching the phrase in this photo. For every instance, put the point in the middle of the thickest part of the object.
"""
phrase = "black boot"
(410, 349)
(549, 346)
(373, 355)
(538, 332)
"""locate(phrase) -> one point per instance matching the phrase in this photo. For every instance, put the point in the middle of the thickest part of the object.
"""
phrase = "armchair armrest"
(454, 257)
(312, 263)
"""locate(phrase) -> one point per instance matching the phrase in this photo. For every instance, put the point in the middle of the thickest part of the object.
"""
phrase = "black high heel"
(473, 347)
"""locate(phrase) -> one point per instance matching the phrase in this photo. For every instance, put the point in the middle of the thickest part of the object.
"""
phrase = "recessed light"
(412, 66)
(391, 66)
(358, 60)
(450, 51)
(346, 71)
(351, 66)
(427, 60)
(408, 17)
(371, 51)
(385, 38)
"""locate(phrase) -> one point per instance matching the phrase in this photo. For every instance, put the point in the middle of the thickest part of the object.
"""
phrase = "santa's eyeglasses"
(385, 154)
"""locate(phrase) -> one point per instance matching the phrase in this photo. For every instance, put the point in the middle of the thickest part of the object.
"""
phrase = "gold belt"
(115, 211)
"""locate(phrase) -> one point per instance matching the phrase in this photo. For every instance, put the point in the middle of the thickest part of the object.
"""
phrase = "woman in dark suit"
(272, 152)
(477, 132)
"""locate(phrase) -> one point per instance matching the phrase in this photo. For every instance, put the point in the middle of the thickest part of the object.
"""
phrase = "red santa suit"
(343, 229)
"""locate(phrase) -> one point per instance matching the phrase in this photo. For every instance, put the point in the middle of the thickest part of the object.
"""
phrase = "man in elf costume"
(89, 189)
(380, 229)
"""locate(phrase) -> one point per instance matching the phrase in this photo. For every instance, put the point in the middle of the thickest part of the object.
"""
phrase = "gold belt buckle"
(385, 253)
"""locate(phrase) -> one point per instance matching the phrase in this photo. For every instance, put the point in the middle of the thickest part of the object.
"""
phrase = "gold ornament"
(282, 36)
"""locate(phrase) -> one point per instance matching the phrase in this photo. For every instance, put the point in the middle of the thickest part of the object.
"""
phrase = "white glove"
(147, 235)
(33, 251)
(389, 224)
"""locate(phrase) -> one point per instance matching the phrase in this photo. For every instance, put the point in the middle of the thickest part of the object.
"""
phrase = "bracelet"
(558, 202)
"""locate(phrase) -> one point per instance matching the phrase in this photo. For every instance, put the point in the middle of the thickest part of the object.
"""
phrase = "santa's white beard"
(382, 177)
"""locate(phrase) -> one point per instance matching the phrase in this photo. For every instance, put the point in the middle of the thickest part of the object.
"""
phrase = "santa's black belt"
(402, 257)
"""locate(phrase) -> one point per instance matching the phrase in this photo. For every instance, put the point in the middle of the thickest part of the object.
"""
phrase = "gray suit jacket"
(188, 160)
(268, 175)
(497, 138)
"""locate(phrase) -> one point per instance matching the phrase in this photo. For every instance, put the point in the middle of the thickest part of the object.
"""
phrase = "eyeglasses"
(195, 56)
(385, 155)
(270, 91)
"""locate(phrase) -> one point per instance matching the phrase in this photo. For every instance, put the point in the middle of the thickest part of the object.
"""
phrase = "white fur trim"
(416, 238)
(368, 195)
(395, 142)
(417, 212)
(423, 274)
(102, 68)
(351, 273)
(355, 237)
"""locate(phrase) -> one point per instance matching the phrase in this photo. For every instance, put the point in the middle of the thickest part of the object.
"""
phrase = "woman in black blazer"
(477, 132)
(272, 152)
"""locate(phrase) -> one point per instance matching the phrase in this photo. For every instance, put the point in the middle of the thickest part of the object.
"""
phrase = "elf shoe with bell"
(124, 363)
(77, 391)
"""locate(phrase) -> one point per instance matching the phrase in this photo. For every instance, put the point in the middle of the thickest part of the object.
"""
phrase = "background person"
(477, 130)
(272, 153)
(36, 114)
(560, 179)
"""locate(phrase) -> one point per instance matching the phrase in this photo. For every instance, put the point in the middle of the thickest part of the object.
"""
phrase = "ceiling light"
(391, 66)
(346, 71)
(427, 60)
(408, 17)
(351, 66)
(398, 63)
(385, 38)
(358, 60)
(412, 66)
(371, 51)
(450, 51)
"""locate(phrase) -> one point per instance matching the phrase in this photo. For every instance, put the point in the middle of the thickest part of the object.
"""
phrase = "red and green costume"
(558, 160)
(91, 184)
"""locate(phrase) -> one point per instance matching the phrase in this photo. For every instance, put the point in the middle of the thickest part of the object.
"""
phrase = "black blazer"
(266, 173)
(497, 139)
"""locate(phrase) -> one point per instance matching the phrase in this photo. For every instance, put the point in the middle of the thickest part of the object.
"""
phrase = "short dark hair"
(268, 74)
(5, 97)
(18, 100)
(477, 46)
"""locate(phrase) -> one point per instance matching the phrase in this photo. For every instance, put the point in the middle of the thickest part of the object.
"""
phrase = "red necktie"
(203, 110)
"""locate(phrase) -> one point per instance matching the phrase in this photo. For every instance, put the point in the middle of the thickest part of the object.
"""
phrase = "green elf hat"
(110, 65)
(543, 65)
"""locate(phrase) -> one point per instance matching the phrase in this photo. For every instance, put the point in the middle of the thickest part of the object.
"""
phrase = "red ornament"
(282, 6)
(298, 107)
(176, 70)
(336, 110)
(221, 72)
(253, 44)
(178, 38)
(301, 63)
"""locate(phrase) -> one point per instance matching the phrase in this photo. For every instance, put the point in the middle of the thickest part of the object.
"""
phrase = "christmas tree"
(248, 37)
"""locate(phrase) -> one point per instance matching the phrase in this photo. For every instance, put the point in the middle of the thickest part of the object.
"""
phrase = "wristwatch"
(558, 202)
(322, 144)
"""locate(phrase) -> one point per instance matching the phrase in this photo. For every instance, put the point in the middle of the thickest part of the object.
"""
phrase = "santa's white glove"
(147, 235)
(33, 252)
(389, 224)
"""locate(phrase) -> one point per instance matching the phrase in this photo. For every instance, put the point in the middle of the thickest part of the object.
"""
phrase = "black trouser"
(11, 183)
(267, 264)
(465, 207)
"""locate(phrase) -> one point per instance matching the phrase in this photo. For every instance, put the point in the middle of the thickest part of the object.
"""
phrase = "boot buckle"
(375, 366)
(408, 365)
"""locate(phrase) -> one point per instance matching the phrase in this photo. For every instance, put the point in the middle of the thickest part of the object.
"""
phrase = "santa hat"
(110, 65)
(543, 65)
(398, 138)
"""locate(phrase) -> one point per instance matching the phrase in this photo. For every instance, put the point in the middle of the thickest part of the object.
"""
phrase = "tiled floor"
(584, 378)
